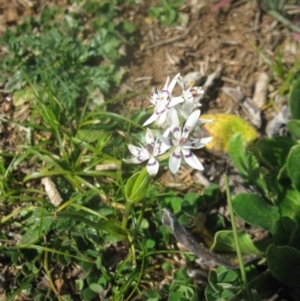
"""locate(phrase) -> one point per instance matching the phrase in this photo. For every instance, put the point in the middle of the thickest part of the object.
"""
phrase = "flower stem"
(236, 241)
(128, 207)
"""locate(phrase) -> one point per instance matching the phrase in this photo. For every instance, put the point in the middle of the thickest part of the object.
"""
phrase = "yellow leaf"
(223, 127)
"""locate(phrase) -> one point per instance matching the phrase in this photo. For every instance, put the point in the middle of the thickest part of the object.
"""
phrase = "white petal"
(168, 141)
(193, 118)
(187, 108)
(165, 88)
(160, 147)
(162, 117)
(141, 154)
(175, 101)
(197, 143)
(155, 99)
(174, 121)
(180, 82)
(167, 132)
(203, 121)
(134, 149)
(173, 83)
(190, 123)
(149, 137)
(174, 124)
(206, 140)
(191, 159)
(175, 160)
(152, 118)
(133, 160)
(152, 166)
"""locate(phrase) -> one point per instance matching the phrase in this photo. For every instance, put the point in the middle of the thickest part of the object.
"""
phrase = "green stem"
(140, 218)
(128, 207)
(236, 241)
(283, 20)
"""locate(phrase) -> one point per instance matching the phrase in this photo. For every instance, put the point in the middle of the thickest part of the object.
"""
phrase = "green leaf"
(265, 285)
(223, 284)
(176, 296)
(175, 203)
(23, 95)
(293, 127)
(284, 264)
(282, 230)
(224, 241)
(210, 196)
(137, 186)
(288, 203)
(95, 287)
(294, 100)
(293, 166)
(88, 294)
(255, 211)
(274, 151)
(128, 27)
(243, 160)
(152, 295)
(113, 227)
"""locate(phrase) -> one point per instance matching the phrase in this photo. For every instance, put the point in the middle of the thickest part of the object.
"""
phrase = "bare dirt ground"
(231, 39)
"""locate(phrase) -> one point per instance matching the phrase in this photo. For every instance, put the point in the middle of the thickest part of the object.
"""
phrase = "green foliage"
(284, 264)
(137, 186)
(167, 12)
(224, 241)
(255, 211)
(294, 100)
(293, 127)
(223, 284)
(58, 52)
(271, 166)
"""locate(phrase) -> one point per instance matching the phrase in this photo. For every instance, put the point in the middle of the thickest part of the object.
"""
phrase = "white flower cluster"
(173, 109)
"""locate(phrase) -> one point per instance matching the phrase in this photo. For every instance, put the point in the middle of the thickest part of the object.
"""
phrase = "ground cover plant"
(84, 211)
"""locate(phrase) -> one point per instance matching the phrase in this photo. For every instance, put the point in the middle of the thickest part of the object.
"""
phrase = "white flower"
(163, 101)
(191, 96)
(149, 152)
(182, 143)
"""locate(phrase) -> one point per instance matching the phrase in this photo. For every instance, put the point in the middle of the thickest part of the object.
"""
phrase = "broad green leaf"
(294, 100)
(255, 211)
(88, 294)
(294, 128)
(293, 166)
(284, 264)
(265, 285)
(289, 204)
(137, 186)
(224, 241)
(97, 288)
(274, 151)
(282, 230)
(243, 160)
